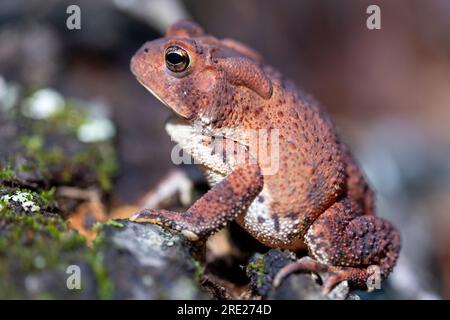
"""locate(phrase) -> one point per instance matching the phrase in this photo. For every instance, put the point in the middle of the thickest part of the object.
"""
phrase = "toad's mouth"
(174, 112)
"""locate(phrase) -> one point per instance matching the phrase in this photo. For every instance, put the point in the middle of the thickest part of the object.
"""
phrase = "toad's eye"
(177, 59)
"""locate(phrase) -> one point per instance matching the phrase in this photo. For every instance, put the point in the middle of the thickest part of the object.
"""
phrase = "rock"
(145, 261)
(127, 260)
(37, 248)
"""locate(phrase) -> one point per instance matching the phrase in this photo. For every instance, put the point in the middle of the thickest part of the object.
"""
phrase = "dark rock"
(262, 269)
(145, 261)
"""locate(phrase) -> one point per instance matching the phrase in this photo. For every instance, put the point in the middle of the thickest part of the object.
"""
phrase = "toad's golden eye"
(177, 59)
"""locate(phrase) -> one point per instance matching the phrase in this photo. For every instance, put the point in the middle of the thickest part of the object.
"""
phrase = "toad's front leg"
(219, 205)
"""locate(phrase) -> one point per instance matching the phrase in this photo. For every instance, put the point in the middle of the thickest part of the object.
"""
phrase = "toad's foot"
(330, 275)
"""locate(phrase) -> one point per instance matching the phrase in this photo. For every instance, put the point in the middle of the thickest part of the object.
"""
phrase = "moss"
(6, 173)
(100, 156)
(104, 284)
(33, 239)
(27, 237)
(72, 116)
(257, 265)
(100, 159)
(103, 159)
(95, 257)
(97, 228)
(33, 144)
(199, 271)
(114, 223)
(105, 170)
(48, 195)
(39, 243)
(53, 155)
(46, 156)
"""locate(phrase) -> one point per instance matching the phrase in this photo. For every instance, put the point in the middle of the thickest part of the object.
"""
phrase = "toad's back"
(306, 171)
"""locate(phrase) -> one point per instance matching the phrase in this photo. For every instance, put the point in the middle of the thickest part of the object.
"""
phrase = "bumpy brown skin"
(317, 197)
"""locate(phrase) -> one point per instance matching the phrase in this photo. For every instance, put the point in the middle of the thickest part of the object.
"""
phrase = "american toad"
(295, 185)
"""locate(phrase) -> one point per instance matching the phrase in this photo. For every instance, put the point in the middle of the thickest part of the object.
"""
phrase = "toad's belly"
(275, 230)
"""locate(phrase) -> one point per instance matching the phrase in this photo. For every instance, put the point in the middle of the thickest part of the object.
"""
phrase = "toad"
(271, 155)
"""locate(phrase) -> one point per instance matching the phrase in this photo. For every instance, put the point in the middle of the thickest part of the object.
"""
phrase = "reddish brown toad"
(312, 193)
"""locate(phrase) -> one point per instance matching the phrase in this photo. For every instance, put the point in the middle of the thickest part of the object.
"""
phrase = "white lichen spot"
(8, 95)
(170, 243)
(148, 280)
(97, 129)
(25, 199)
(43, 104)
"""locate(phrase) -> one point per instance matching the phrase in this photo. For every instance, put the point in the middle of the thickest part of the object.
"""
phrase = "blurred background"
(387, 90)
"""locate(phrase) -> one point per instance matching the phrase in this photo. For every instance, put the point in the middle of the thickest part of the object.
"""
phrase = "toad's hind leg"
(348, 246)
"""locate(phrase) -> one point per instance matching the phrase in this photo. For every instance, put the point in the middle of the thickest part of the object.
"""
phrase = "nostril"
(145, 50)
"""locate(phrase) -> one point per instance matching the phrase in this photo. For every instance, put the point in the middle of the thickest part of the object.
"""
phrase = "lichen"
(25, 199)
(31, 242)
(25, 237)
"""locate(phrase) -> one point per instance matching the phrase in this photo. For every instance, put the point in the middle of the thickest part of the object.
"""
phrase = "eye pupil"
(177, 59)
(174, 58)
